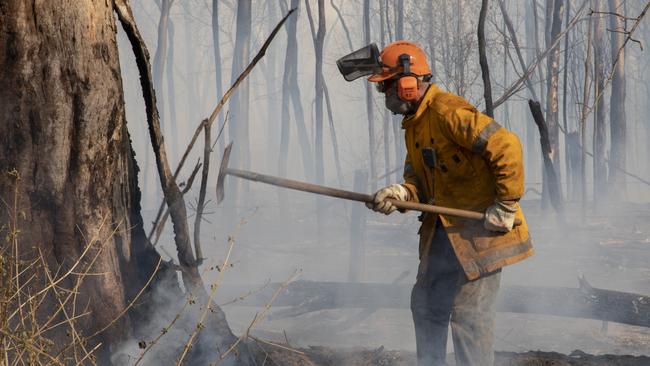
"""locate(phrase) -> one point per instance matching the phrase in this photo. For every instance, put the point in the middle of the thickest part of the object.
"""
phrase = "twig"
(164, 331)
(278, 345)
(260, 316)
(248, 294)
(260, 54)
(618, 55)
(213, 291)
(517, 84)
(345, 27)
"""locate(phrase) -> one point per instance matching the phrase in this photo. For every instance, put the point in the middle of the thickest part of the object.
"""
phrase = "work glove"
(501, 216)
(395, 191)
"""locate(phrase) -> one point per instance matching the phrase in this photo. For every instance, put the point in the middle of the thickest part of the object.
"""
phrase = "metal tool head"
(223, 171)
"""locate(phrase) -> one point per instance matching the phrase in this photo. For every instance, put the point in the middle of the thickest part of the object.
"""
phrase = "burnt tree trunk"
(400, 148)
(173, 131)
(160, 57)
(599, 140)
(319, 41)
(386, 118)
(63, 129)
(239, 102)
(216, 49)
(552, 83)
(583, 126)
(570, 174)
(532, 151)
(369, 103)
(617, 118)
(291, 95)
(485, 69)
(554, 187)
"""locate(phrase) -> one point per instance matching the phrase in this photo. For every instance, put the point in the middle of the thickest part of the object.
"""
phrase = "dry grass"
(40, 306)
(44, 317)
(35, 303)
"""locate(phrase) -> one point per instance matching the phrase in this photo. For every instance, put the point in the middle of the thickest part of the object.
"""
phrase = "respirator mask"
(401, 94)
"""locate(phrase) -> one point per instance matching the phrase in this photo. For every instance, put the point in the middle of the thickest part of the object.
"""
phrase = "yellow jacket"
(458, 157)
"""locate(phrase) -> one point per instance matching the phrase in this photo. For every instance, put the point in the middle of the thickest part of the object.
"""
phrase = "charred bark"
(553, 181)
(63, 130)
(485, 69)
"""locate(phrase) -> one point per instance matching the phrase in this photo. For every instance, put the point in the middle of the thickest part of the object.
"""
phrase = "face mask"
(398, 106)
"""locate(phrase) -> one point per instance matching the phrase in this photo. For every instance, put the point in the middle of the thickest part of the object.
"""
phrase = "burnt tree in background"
(239, 102)
(369, 102)
(160, 57)
(319, 41)
(216, 49)
(617, 117)
(291, 95)
(485, 69)
(386, 117)
(599, 139)
(554, 26)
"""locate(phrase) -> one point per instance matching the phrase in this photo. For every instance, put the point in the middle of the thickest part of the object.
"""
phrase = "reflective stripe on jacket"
(458, 157)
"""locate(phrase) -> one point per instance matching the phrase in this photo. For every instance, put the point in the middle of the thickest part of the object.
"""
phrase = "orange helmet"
(392, 61)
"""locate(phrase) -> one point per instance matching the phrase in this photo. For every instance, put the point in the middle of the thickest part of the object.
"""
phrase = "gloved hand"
(501, 216)
(395, 191)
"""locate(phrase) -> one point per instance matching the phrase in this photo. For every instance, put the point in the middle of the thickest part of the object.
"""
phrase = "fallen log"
(581, 302)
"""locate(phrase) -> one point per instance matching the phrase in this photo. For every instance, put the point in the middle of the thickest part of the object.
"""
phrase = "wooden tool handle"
(405, 205)
(354, 196)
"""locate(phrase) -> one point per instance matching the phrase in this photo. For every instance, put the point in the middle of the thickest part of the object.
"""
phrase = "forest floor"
(323, 356)
(610, 248)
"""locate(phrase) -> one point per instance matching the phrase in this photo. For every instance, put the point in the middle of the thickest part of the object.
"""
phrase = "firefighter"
(456, 157)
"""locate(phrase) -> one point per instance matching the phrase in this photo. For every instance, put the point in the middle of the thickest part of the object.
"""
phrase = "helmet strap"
(405, 62)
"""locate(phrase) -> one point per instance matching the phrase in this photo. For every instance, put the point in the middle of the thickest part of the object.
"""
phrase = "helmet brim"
(381, 77)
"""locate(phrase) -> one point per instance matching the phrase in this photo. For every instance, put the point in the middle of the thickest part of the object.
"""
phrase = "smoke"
(607, 244)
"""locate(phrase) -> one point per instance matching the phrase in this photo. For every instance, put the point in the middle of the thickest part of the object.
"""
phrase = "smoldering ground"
(607, 249)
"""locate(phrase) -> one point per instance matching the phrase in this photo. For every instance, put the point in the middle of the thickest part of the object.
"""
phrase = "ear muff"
(407, 88)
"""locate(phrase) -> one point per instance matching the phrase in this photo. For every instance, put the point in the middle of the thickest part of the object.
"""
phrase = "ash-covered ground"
(611, 249)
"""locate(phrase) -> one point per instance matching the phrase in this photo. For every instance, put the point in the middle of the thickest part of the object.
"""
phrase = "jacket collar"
(428, 98)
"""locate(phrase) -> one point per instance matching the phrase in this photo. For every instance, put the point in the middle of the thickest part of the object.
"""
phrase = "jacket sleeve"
(411, 181)
(501, 148)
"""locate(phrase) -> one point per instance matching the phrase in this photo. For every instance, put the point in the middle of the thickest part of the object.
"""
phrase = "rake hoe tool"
(332, 192)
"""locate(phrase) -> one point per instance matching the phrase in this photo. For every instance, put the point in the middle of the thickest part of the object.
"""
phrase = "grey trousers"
(444, 296)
